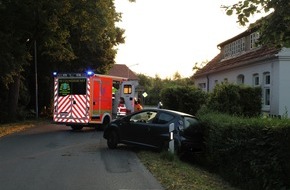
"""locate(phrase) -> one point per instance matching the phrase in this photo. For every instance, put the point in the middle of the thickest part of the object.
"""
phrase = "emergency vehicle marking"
(88, 99)
(79, 106)
(63, 104)
(71, 108)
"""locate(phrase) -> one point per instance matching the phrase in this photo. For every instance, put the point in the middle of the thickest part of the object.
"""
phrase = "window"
(267, 97)
(72, 86)
(254, 39)
(127, 89)
(267, 79)
(235, 47)
(240, 79)
(201, 85)
(144, 117)
(190, 122)
(164, 118)
(267, 90)
(256, 80)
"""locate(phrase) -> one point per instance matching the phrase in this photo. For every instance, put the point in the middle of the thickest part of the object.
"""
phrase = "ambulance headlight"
(90, 73)
(54, 74)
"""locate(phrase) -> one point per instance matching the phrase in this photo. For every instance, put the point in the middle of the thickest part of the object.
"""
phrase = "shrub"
(187, 99)
(251, 153)
(250, 101)
(236, 100)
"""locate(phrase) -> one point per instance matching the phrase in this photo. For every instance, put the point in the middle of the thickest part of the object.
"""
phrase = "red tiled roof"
(219, 64)
(121, 70)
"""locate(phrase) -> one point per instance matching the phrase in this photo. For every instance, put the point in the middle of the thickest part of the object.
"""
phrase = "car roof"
(169, 111)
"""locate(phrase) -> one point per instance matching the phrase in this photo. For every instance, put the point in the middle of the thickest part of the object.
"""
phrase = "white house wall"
(248, 71)
(283, 77)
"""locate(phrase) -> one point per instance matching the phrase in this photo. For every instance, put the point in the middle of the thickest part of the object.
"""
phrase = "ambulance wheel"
(76, 127)
(112, 140)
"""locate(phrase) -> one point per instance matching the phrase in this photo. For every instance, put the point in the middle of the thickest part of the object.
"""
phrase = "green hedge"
(252, 153)
(186, 99)
(236, 100)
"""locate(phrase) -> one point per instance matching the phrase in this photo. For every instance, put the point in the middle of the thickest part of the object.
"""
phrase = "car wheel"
(112, 140)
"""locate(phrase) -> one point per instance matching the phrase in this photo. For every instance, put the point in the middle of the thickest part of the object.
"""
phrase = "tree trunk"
(13, 98)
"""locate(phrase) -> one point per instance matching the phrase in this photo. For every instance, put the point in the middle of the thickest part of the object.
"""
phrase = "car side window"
(144, 117)
(164, 118)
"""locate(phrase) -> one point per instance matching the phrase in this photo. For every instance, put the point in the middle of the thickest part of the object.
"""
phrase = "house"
(242, 61)
(121, 70)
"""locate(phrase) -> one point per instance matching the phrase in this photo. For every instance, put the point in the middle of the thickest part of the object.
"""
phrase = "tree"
(16, 25)
(176, 76)
(274, 29)
(154, 86)
(197, 66)
(70, 35)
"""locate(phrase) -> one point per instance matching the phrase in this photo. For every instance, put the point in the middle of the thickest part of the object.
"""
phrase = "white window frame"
(241, 79)
(202, 85)
(266, 89)
(253, 40)
(235, 47)
(256, 79)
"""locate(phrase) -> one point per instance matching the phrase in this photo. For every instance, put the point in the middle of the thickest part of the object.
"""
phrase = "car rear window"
(164, 118)
(190, 122)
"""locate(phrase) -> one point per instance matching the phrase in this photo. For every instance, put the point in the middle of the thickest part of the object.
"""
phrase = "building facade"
(242, 61)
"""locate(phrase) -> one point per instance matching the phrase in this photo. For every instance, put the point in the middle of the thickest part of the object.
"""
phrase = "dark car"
(150, 128)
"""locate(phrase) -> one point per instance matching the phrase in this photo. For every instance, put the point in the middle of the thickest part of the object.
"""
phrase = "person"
(122, 110)
(137, 106)
(160, 105)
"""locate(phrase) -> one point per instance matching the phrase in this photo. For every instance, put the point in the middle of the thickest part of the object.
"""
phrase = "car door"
(134, 129)
(158, 130)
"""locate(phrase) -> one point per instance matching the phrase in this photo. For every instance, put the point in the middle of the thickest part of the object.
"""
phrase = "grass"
(6, 129)
(167, 168)
(174, 174)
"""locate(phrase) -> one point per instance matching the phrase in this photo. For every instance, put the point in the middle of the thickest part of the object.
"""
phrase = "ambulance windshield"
(73, 86)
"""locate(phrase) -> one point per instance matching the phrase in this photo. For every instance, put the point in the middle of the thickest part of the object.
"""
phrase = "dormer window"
(234, 48)
(253, 40)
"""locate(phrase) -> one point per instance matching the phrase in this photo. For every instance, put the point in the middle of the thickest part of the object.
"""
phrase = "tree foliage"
(154, 87)
(67, 35)
(274, 28)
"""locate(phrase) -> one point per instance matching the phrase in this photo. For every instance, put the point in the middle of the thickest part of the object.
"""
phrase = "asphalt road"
(53, 157)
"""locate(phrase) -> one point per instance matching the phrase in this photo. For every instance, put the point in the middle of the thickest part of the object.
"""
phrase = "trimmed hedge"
(236, 99)
(251, 153)
(186, 99)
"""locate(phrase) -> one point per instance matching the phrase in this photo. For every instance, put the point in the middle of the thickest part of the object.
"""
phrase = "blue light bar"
(90, 73)
(54, 73)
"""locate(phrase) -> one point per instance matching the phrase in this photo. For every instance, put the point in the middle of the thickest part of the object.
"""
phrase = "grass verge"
(174, 174)
(6, 129)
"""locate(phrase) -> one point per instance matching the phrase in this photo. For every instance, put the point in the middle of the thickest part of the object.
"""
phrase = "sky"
(163, 37)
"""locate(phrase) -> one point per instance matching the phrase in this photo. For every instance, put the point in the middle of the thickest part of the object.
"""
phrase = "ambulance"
(90, 100)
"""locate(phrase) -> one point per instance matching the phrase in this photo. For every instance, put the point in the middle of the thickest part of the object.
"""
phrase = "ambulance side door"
(128, 92)
(96, 98)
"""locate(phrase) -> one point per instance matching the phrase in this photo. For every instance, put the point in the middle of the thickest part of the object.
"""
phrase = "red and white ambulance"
(91, 100)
